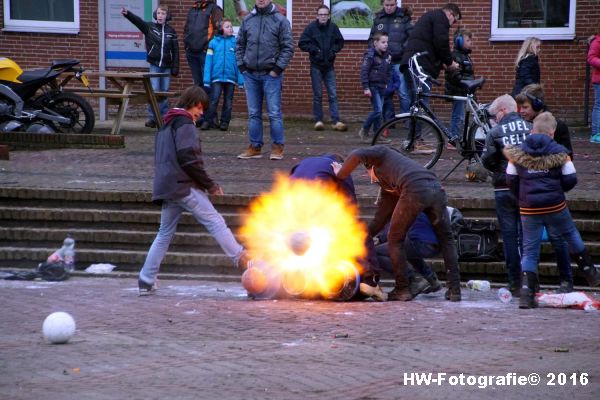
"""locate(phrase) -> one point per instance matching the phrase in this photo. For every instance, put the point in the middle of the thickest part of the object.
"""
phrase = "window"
(545, 19)
(54, 16)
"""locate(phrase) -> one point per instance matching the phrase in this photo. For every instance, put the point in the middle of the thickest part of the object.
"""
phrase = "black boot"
(418, 285)
(585, 264)
(453, 285)
(528, 290)
(434, 284)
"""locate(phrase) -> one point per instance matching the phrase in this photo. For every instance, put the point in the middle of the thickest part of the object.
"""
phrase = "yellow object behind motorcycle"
(9, 70)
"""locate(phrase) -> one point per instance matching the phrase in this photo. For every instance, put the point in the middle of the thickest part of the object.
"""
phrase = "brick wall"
(562, 62)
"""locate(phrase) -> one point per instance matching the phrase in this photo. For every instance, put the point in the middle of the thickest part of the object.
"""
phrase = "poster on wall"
(125, 46)
(354, 17)
(236, 10)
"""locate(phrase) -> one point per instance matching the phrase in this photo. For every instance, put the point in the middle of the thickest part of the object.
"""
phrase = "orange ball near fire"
(255, 281)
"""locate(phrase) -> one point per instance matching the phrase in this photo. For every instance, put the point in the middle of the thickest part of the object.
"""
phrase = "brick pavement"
(199, 339)
(206, 340)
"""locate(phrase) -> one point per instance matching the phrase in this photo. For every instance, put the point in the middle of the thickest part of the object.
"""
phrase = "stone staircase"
(118, 228)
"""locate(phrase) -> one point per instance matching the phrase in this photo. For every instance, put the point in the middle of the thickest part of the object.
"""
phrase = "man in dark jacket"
(406, 189)
(202, 23)
(182, 184)
(163, 53)
(511, 129)
(322, 40)
(396, 22)
(431, 34)
(263, 50)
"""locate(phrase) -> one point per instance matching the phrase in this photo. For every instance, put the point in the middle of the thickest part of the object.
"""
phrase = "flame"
(311, 209)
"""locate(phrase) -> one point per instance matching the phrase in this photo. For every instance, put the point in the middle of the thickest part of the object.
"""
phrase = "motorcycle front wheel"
(76, 109)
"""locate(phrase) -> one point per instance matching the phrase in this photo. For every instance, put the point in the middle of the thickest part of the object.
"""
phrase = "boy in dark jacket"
(163, 53)
(182, 184)
(461, 55)
(375, 73)
(322, 39)
(539, 172)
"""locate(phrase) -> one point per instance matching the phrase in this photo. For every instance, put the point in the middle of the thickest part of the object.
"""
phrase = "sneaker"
(150, 123)
(565, 287)
(418, 285)
(224, 126)
(319, 126)
(145, 289)
(400, 294)
(251, 152)
(204, 126)
(422, 148)
(595, 138)
(374, 292)
(276, 151)
(339, 126)
(244, 262)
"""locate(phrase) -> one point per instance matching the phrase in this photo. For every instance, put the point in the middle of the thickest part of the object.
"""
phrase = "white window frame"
(24, 25)
(567, 33)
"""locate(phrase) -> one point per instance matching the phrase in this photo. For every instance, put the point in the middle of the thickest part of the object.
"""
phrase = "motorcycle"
(34, 100)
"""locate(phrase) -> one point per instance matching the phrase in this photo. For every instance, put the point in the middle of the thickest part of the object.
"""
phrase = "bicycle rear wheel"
(476, 139)
(415, 136)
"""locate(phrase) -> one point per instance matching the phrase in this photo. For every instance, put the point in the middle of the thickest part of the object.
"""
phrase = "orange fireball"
(308, 226)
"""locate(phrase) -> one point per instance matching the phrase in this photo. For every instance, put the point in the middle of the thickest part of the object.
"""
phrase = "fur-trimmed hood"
(538, 152)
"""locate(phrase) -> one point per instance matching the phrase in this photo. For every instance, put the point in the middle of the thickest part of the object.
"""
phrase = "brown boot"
(276, 151)
(251, 152)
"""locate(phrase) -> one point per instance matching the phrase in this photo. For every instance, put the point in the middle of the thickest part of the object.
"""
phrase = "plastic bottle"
(504, 295)
(68, 253)
(481, 286)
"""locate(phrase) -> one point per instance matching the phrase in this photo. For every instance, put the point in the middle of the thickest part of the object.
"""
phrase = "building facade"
(499, 27)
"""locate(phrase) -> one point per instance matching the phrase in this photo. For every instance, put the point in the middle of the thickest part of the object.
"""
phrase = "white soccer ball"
(58, 327)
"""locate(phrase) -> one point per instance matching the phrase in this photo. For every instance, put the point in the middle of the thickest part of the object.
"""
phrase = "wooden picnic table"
(122, 91)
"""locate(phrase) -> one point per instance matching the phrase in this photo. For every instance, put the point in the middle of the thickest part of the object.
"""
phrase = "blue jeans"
(160, 84)
(415, 254)
(374, 117)
(215, 92)
(261, 87)
(563, 258)
(596, 110)
(458, 118)
(195, 60)
(507, 211)
(558, 224)
(317, 78)
(197, 203)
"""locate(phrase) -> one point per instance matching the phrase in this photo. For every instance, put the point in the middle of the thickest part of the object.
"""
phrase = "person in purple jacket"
(539, 172)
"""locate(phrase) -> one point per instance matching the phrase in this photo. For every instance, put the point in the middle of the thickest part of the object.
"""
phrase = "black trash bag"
(52, 271)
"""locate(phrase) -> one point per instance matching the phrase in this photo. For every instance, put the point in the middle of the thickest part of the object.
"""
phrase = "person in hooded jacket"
(221, 74)
(162, 50)
(539, 172)
(181, 183)
(322, 40)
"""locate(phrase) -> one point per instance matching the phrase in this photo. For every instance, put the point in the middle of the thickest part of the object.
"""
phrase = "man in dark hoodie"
(539, 172)
(322, 40)
(406, 189)
(182, 184)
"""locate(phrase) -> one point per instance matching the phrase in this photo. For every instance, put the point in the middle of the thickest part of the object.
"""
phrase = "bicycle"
(419, 133)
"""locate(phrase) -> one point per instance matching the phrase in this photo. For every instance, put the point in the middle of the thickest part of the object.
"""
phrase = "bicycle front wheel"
(415, 136)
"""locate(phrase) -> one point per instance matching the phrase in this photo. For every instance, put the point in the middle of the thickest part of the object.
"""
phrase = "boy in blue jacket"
(539, 172)
(221, 74)
(163, 53)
